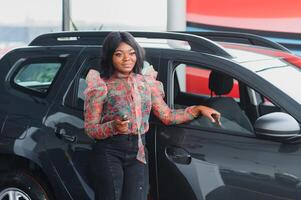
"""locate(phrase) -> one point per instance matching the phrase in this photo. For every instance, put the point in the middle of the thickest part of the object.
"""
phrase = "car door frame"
(66, 142)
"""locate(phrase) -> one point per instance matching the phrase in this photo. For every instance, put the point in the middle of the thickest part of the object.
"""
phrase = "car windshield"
(286, 78)
(283, 75)
(283, 70)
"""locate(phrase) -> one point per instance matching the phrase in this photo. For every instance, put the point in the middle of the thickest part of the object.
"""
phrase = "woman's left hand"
(213, 115)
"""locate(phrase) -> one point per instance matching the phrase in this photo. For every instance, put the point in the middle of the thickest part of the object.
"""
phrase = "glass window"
(191, 87)
(38, 76)
(195, 80)
(284, 74)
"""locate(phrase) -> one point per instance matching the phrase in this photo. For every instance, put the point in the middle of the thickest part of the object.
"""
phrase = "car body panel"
(225, 166)
(222, 165)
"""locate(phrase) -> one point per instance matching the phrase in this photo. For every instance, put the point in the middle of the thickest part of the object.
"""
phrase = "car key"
(217, 120)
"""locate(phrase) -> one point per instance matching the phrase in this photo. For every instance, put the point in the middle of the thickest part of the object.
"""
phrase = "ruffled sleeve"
(96, 93)
(160, 108)
(95, 85)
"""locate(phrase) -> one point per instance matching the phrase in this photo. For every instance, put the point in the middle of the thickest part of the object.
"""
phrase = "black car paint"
(249, 168)
(185, 162)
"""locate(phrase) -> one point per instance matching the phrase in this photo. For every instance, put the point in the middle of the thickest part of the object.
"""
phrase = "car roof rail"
(197, 43)
(245, 38)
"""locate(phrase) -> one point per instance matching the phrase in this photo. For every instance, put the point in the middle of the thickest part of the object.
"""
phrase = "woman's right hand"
(121, 126)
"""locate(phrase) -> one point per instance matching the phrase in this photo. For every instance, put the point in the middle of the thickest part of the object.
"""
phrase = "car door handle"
(178, 155)
(61, 133)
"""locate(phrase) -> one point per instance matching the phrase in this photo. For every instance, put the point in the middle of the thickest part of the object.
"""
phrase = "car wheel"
(21, 185)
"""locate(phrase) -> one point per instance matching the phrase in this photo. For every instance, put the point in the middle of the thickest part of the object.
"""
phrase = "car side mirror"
(277, 126)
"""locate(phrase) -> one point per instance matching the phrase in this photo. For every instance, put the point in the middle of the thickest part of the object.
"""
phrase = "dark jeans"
(118, 175)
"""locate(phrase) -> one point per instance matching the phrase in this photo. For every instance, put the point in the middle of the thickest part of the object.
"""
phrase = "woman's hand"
(213, 115)
(121, 126)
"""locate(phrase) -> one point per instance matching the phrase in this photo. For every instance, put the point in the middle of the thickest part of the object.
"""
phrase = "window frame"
(22, 62)
(234, 93)
(171, 82)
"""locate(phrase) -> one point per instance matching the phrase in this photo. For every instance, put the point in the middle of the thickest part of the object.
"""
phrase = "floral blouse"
(134, 96)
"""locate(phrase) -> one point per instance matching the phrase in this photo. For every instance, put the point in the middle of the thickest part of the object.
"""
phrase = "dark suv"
(254, 154)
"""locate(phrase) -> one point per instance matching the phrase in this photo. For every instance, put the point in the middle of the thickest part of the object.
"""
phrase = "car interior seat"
(232, 116)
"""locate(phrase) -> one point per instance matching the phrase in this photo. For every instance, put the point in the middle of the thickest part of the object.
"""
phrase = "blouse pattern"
(134, 96)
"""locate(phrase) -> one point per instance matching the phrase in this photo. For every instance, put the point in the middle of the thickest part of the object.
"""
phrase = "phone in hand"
(124, 118)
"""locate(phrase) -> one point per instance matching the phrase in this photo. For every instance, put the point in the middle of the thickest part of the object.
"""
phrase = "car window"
(191, 87)
(37, 76)
(273, 71)
(195, 80)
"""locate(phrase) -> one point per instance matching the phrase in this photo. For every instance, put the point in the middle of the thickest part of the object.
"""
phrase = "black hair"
(110, 44)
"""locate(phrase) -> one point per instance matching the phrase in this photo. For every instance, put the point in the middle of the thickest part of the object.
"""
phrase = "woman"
(117, 108)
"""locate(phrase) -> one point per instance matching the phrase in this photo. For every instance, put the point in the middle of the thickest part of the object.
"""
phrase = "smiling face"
(124, 59)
